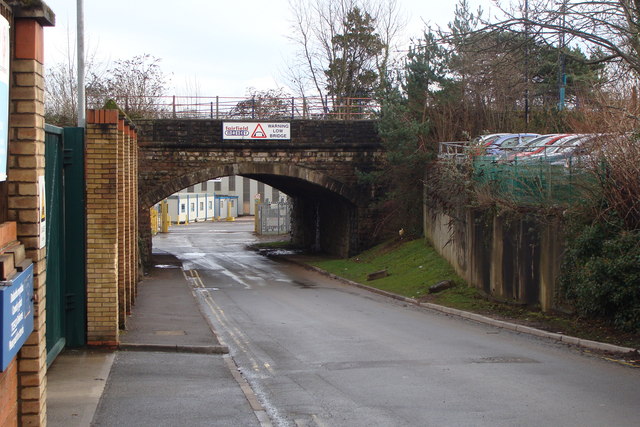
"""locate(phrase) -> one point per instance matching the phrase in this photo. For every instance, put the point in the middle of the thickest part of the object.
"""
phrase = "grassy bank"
(412, 266)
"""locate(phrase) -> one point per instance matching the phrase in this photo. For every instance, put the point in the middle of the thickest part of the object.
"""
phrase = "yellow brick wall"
(102, 231)
(112, 256)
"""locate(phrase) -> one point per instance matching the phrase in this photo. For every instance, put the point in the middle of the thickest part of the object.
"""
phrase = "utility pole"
(80, 37)
(527, 51)
(562, 74)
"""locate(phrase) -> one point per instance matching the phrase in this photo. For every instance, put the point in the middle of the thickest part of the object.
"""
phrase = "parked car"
(495, 148)
(484, 140)
(537, 146)
(564, 148)
(510, 148)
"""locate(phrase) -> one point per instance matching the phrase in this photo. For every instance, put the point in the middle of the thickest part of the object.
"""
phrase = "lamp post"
(80, 37)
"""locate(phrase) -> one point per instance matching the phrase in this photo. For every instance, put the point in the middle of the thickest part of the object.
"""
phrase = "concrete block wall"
(511, 259)
(112, 252)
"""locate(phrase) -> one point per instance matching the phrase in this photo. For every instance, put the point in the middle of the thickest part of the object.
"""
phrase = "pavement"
(170, 369)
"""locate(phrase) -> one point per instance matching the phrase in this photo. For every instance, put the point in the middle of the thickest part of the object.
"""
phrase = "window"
(193, 207)
(201, 206)
(232, 183)
(210, 204)
(217, 186)
(204, 186)
(182, 208)
(190, 189)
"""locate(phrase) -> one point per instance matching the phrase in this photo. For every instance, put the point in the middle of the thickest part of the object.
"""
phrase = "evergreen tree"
(352, 73)
(405, 128)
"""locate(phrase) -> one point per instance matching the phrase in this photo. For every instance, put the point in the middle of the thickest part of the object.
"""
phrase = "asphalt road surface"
(320, 353)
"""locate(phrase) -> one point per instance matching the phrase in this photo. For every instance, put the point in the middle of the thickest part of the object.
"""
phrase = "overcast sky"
(221, 46)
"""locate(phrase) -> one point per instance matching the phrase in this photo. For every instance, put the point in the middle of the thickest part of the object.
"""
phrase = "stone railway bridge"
(318, 168)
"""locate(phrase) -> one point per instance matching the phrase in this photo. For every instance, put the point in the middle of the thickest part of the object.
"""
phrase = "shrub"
(601, 273)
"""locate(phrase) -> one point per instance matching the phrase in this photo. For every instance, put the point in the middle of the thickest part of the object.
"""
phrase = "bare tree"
(319, 28)
(610, 29)
(136, 85)
(263, 104)
(61, 90)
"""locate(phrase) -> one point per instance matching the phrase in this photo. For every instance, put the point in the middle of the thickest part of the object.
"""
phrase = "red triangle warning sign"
(258, 132)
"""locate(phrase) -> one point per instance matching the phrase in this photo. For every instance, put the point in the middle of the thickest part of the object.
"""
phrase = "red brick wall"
(8, 378)
(9, 395)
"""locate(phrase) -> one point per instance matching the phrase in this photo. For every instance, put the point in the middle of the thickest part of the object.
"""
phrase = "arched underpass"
(318, 168)
(324, 211)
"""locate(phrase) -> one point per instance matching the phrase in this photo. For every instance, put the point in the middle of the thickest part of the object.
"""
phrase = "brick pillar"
(26, 166)
(127, 214)
(131, 207)
(134, 210)
(121, 217)
(102, 227)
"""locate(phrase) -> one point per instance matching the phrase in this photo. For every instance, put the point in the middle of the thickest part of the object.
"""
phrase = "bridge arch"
(274, 174)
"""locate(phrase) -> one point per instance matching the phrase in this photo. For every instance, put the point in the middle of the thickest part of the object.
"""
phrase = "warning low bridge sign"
(256, 130)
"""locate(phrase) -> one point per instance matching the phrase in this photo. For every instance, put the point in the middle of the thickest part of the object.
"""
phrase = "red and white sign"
(256, 130)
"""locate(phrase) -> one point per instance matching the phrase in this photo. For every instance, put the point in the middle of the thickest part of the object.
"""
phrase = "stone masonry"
(318, 168)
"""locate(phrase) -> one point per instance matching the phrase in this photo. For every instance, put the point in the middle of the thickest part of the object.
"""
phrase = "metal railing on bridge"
(248, 108)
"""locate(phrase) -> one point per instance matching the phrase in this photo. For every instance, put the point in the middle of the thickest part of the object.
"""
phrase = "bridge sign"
(256, 130)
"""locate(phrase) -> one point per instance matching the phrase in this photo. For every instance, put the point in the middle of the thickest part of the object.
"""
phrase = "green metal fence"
(535, 181)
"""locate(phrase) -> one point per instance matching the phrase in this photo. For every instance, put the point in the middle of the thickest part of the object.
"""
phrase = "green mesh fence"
(535, 181)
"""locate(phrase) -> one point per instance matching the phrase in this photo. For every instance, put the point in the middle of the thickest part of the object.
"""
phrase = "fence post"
(292, 107)
(174, 106)
(211, 110)
(217, 107)
(253, 107)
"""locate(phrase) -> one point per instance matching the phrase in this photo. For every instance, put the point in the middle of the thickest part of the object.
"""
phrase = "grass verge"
(412, 267)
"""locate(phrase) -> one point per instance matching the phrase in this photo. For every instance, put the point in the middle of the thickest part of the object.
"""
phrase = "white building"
(230, 196)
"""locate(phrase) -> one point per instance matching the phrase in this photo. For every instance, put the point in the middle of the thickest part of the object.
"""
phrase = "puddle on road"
(278, 252)
(166, 266)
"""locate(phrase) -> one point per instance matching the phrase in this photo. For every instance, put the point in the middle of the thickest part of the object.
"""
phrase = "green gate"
(65, 235)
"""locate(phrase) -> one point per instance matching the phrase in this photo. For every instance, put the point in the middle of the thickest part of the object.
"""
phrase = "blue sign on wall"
(16, 296)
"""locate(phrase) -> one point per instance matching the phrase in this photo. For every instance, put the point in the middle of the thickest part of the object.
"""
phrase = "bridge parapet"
(193, 132)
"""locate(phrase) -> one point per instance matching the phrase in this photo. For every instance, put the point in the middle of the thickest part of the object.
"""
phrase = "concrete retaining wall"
(511, 259)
